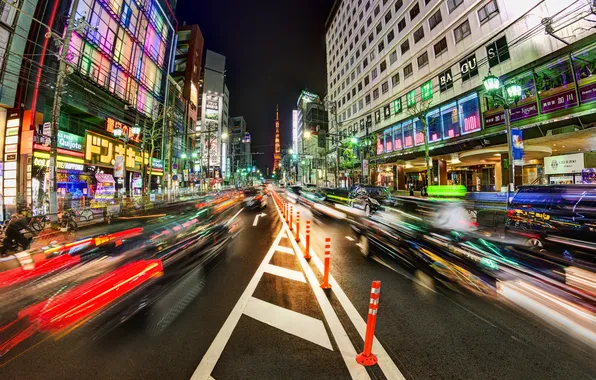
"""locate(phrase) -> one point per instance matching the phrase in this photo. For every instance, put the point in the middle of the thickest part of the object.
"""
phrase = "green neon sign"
(397, 106)
(427, 90)
(411, 98)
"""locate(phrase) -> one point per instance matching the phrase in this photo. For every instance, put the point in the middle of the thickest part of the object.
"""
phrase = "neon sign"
(112, 124)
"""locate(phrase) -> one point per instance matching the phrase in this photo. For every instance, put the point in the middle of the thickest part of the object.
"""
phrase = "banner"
(517, 142)
(119, 167)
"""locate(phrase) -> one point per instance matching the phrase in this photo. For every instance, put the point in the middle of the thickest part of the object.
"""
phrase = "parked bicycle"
(68, 222)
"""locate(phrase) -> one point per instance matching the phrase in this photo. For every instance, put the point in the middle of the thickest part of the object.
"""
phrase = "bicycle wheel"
(72, 226)
(36, 225)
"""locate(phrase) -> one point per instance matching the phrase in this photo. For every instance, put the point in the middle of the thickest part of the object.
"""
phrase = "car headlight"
(374, 202)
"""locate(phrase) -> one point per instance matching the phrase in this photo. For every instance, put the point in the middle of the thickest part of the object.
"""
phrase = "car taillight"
(510, 213)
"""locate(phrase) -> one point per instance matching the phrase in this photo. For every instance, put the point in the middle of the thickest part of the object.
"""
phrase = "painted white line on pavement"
(285, 272)
(386, 364)
(283, 249)
(346, 347)
(350, 238)
(300, 325)
(216, 348)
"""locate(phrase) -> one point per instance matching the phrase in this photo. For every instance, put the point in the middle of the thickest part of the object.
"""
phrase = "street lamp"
(183, 156)
(307, 134)
(513, 94)
(291, 151)
(136, 129)
(354, 140)
(194, 154)
(225, 135)
(117, 132)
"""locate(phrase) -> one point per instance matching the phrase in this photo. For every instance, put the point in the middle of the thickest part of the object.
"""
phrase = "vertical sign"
(518, 146)
(295, 130)
(427, 90)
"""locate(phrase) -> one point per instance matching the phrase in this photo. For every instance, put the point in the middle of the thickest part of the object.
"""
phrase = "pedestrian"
(13, 232)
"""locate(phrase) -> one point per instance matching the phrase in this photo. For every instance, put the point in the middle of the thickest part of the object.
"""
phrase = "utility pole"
(64, 44)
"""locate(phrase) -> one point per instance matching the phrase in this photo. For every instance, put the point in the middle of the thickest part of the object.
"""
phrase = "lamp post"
(493, 87)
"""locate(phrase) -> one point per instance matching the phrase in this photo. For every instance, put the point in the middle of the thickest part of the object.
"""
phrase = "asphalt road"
(262, 315)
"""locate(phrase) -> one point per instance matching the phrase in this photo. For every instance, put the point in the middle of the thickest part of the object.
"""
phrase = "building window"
(362, 31)
(398, 4)
(383, 66)
(405, 46)
(369, 21)
(390, 36)
(395, 80)
(366, 80)
(376, 94)
(354, 108)
(435, 19)
(376, 11)
(468, 68)
(462, 31)
(427, 1)
(423, 60)
(387, 17)
(401, 25)
(393, 57)
(354, 91)
(408, 70)
(440, 47)
(373, 73)
(385, 87)
(379, 27)
(419, 34)
(363, 46)
(361, 16)
(488, 11)
(359, 86)
(497, 52)
(452, 4)
(367, 98)
(371, 37)
(414, 11)
(381, 46)
(365, 62)
(367, 6)
(357, 54)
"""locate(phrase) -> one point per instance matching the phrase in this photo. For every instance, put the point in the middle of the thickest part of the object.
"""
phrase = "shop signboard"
(47, 129)
(71, 166)
(379, 144)
(365, 167)
(70, 141)
(562, 100)
(156, 163)
(185, 173)
(112, 124)
(564, 164)
(587, 93)
(445, 80)
(524, 112)
(103, 151)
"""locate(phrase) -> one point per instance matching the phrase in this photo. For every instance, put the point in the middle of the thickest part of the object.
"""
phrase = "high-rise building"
(387, 59)
(305, 129)
(240, 151)
(187, 74)
(117, 63)
(215, 104)
(277, 152)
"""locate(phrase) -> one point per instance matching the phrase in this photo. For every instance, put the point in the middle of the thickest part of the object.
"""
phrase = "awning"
(103, 177)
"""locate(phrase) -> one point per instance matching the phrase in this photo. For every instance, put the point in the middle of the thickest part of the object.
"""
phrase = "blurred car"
(369, 198)
(554, 216)
(254, 198)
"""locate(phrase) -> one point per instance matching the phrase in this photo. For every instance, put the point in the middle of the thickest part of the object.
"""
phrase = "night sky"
(273, 49)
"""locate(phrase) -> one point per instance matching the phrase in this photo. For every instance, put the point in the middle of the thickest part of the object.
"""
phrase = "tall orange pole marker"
(307, 246)
(297, 234)
(325, 284)
(367, 358)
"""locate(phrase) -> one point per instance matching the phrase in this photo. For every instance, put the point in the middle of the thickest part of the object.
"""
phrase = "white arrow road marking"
(350, 238)
(285, 272)
(257, 218)
(294, 323)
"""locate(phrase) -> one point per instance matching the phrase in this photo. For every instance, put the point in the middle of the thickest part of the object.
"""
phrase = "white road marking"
(386, 364)
(283, 249)
(350, 238)
(213, 354)
(285, 272)
(256, 221)
(294, 323)
(346, 347)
